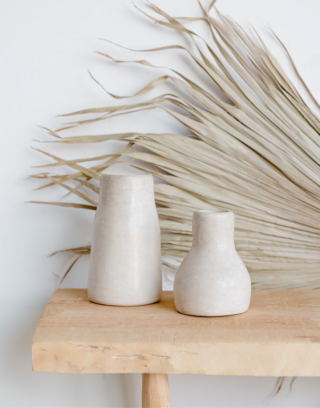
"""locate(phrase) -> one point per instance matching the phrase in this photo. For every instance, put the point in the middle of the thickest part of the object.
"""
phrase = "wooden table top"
(278, 336)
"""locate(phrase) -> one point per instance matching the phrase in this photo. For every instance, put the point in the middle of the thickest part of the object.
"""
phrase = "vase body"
(212, 279)
(125, 262)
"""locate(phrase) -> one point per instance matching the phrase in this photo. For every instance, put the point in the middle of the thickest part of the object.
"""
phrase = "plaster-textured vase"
(125, 264)
(212, 280)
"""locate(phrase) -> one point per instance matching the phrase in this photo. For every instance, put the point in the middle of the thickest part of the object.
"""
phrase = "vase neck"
(212, 229)
(126, 190)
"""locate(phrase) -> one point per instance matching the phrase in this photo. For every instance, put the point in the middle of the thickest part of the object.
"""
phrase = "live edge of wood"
(278, 336)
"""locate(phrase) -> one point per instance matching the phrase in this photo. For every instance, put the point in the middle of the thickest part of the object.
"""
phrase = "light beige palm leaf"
(257, 155)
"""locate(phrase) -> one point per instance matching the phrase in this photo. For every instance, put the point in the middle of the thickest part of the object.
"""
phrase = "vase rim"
(216, 211)
(124, 175)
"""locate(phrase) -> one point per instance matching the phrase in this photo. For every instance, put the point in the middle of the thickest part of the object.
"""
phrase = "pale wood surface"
(155, 391)
(278, 336)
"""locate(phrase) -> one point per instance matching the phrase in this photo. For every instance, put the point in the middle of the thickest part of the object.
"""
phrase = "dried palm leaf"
(257, 155)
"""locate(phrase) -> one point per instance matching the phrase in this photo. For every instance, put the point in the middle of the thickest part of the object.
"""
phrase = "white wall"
(46, 49)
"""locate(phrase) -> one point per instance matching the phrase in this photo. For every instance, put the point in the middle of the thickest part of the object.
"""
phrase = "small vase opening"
(214, 228)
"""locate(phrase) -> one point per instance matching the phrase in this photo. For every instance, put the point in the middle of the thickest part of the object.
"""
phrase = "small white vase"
(212, 280)
(125, 263)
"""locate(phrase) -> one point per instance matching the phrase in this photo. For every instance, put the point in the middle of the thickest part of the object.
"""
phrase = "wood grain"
(155, 391)
(278, 336)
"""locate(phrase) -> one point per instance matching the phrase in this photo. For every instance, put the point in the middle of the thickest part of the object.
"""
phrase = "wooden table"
(278, 336)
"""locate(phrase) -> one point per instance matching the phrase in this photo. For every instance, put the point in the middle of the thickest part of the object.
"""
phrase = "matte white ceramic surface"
(212, 280)
(125, 264)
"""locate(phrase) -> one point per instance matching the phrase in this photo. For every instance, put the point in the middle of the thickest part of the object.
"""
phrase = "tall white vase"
(125, 263)
(212, 280)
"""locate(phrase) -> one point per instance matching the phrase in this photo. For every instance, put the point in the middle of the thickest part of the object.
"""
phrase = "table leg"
(155, 391)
